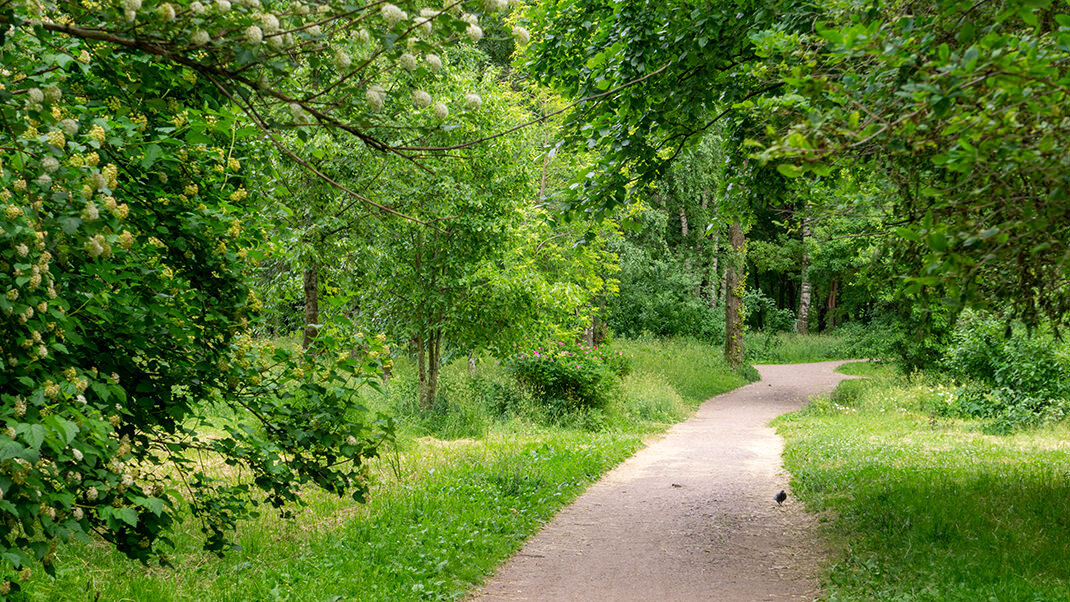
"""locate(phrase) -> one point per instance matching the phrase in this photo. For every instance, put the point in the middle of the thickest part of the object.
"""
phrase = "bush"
(568, 377)
(1009, 375)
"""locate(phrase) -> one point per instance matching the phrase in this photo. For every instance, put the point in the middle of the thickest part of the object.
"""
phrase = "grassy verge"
(929, 509)
(792, 348)
(471, 481)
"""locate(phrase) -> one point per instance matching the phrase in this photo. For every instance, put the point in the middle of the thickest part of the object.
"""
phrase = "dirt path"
(690, 517)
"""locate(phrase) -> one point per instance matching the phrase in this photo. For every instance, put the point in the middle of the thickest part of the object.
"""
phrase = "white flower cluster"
(392, 14)
(130, 8)
(90, 212)
(299, 113)
(434, 61)
(522, 35)
(342, 61)
(407, 61)
(254, 35)
(69, 126)
(472, 101)
(441, 111)
(375, 96)
(269, 23)
(199, 38)
(96, 246)
(421, 99)
(166, 11)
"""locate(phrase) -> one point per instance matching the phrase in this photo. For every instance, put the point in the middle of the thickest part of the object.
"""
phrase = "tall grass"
(930, 509)
(792, 348)
(471, 479)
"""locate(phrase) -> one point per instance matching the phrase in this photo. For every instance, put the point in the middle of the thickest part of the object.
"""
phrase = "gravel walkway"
(689, 517)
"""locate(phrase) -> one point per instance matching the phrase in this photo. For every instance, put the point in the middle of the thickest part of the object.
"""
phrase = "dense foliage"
(961, 105)
(1010, 375)
(125, 254)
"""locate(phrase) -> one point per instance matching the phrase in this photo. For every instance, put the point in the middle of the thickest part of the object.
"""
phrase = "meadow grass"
(930, 509)
(792, 348)
(470, 481)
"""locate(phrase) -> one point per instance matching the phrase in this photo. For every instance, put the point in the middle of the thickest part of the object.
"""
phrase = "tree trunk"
(716, 279)
(683, 222)
(802, 322)
(434, 349)
(312, 303)
(734, 285)
(421, 371)
(830, 316)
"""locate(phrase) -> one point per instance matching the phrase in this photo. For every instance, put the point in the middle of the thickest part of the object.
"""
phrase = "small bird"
(780, 497)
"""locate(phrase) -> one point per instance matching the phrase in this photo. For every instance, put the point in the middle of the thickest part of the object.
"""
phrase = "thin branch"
(248, 110)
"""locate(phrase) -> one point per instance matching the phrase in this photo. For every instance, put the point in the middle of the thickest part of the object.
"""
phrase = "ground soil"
(689, 517)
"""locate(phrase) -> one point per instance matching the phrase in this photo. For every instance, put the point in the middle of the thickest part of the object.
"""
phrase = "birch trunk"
(802, 322)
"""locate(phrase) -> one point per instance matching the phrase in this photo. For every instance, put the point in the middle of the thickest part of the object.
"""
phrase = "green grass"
(792, 348)
(869, 369)
(926, 509)
(460, 509)
(696, 370)
(472, 480)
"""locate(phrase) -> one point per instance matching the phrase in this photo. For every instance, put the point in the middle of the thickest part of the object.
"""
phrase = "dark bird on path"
(780, 497)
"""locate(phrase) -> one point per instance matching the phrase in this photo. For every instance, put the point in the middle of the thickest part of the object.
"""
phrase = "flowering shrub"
(569, 376)
(126, 252)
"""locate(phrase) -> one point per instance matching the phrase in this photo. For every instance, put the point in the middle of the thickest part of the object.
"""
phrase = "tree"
(962, 105)
(124, 249)
(653, 75)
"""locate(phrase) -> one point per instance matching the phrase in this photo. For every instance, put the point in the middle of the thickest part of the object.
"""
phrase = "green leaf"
(127, 515)
(69, 224)
(65, 428)
(101, 390)
(937, 241)
(155, 505)
(908, 234)
(33, 433)
(152, 152)
(790, 171)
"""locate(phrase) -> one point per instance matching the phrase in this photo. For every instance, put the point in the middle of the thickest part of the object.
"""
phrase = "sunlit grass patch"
(930, 508)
